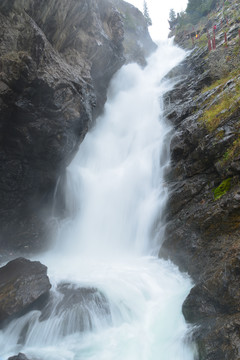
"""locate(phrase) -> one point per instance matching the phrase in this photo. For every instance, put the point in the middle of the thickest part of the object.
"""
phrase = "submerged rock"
(23, 284)
(70, 297)
(20, 356)
(69, 309)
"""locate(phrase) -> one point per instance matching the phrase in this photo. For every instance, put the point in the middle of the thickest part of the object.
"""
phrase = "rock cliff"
(56, 61)
(203, 215)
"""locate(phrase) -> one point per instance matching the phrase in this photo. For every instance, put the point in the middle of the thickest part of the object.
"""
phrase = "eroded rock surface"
(23, 283)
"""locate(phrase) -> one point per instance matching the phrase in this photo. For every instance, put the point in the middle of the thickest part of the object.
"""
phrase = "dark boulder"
(23, 283)
(218, 338)
(68, 310)
(69, 297)
(20, 356)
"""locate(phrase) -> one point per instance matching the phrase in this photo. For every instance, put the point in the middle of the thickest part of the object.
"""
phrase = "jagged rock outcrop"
(69, 302)
(20, 356)
(137, 44)
(203, 214)
(69, 309)
(23, 283)
(56, 61)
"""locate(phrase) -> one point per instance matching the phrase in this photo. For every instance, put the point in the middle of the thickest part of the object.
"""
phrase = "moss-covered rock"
(222, 189)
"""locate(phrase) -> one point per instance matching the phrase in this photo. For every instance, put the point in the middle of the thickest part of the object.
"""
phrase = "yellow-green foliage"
(222, 189)
(236, 50)
(232, 151)
(222, 82)
(220, 134)
(229, 102)
(216, 113)
(203, 40)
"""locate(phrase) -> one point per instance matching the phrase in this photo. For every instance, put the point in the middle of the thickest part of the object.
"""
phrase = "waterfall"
(112, 298)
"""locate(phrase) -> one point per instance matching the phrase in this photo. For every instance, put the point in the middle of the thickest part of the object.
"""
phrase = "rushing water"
(131, 306)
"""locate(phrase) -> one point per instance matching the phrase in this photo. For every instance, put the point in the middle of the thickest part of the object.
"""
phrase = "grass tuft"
(222, 189)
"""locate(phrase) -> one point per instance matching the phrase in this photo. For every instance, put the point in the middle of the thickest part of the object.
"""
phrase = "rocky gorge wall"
(203, 212)
(56, 61)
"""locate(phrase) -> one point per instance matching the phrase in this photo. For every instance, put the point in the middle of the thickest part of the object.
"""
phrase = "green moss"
(226, 106)
(228, 103)
(220, 134)
(232, 152)
(221, 82)
(222, 189)
(236, 49)
(202, 41)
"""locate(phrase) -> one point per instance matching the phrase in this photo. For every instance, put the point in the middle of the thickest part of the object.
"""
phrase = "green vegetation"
(236, 49)
(227, 104)
(222, 189)
(222, 82)
(199, 16)
(146, 13)
(233, 151)
(220, 134)
(203, 40)
(172, 15)
(196, 9)
(236, 15)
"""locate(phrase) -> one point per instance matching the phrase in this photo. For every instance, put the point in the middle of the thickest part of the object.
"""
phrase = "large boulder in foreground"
(22, 283)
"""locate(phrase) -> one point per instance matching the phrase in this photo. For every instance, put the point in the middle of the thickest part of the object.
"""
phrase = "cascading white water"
(131, 306)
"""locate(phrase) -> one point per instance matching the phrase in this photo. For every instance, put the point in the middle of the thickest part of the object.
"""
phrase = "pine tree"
(172, 15)
(146, 13)
(199, 8)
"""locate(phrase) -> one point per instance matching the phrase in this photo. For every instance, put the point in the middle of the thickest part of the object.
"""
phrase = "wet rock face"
(82, 300)
(137, 42)
(20, 356)
(68, 310)
(22, 283)
(45, 112)
(57, 58)
(203, 214)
